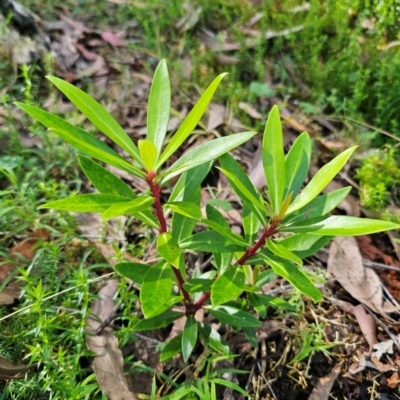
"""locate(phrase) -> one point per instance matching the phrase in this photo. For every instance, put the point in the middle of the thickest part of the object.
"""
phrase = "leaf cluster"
(231, 290)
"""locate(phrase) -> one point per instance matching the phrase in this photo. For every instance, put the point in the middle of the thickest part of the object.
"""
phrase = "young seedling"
(242, 264)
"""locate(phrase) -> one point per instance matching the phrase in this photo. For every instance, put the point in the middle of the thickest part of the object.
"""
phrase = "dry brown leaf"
(10, 369)
(249, 110)
(385, 347)
(111, 38)
(345, 263)
(367, 325)
(324, 385)
(190, 19)
(108, 363)
(394, 381)
(221, 59)
(216, 116)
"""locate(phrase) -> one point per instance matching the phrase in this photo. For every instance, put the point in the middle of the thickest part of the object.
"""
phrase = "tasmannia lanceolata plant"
(242, 263)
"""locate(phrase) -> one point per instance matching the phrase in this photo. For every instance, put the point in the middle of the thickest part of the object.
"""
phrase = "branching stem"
(155, 189)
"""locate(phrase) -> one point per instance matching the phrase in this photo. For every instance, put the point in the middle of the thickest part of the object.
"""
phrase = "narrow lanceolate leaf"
(131, 207)
(243, 187)
(132, 270)
(295, 276)
(206, 152)
(251, 225)
(159, 106)
(214, 340)
(304, 245)
(81, 140)
(280, 250)
(233, 316)
(273, 159)
(97, 115)
(86, 203)
(320, 206)
(148, 153)
(186, 208)
(228, 286)
(169, 249)
(210, 242)
(159, 321)
(297, 164)
(103, 180)
(341, 226)
(189, 337)
(156, 288)
(321, 180)
(190, 121)
(225, 232)
(259, 208)
(189, 182)
(107, 183)
(171, 348)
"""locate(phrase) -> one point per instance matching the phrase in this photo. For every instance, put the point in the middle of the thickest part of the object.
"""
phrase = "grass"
(339, 64)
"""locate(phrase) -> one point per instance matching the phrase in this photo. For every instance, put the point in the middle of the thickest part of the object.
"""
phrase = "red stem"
(186, 296)
(155, 189)
(268, 232)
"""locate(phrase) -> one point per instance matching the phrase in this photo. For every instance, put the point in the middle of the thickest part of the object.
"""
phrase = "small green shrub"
(242, 263)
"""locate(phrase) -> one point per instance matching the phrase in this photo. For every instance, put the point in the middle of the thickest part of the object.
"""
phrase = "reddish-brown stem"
(268, 232)
(184, 292)
(155, 189)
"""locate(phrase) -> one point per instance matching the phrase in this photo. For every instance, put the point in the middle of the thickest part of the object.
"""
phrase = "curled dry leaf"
(345, 263)
(216, 116)
(108, 363)
(324, 385)
(385, 347)
(367, 325)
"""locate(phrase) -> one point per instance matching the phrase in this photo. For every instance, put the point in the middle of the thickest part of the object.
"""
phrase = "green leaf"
(159, 107)
(214, 215)
(186, 208)
(266, 276)
(132, 270)
(251, 224)
(148, 153)
(131, 207)
(189, 182)
(169, 249)
(86, 203)
(187, 189)
(243, 187)
(209, 336)
(305, 245)
(228, 286)
(273, 159)
(190, 121)
(226, 233)
(107, 183)
(295, 276)
(230, 385)
(159, 321)
(222, 261)
(320, 180)
(198, 285)
(258, 305)
(297, 164)
(171, 348)
(259, 208)
(156, 288)
(250, 334)
(206, 152)
(97, 115)
(81, 140)
(280, 250)
(209, 242)
(189, 337)
(320, 206)
(262, 300)
(233, 316)
(341, 226)
(103, 180)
